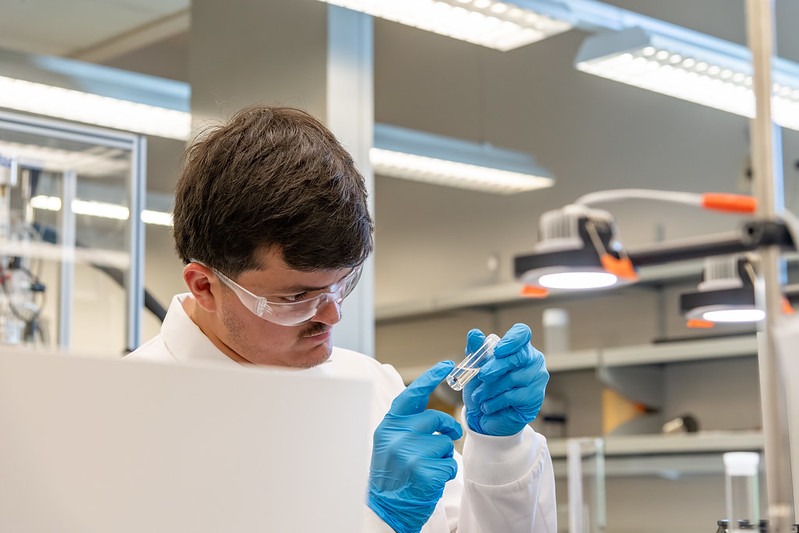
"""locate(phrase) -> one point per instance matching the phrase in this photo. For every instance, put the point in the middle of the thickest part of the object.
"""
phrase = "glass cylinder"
(585, 462)
(742, 487)
(556, 330)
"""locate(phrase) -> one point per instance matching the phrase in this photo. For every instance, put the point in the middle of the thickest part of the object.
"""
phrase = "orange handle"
(730, 203)
(621, 268)
(534, 291)
(699, 323)
(787, 308)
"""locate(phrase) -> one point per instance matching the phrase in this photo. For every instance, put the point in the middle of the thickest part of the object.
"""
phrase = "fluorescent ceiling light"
(97, 161)
(157, 218)
(500, 25)
(94, 94)
(699, 69)
(90, 108)
(101, 210)
(414, 155)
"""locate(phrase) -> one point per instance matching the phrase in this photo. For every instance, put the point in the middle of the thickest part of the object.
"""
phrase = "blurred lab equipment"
(685, 423)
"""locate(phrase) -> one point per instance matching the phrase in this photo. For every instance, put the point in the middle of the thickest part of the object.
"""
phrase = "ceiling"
(151, 36)
(90, 30)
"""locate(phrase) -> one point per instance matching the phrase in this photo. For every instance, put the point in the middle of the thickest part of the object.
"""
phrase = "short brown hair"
(271, 176)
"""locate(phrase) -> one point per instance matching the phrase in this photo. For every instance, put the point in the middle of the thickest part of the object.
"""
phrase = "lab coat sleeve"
(509, 484)
(373, 523)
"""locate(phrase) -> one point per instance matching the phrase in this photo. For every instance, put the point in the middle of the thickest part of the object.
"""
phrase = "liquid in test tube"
(470, 366)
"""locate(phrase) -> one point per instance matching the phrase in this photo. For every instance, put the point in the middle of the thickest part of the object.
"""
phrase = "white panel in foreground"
(96, 445)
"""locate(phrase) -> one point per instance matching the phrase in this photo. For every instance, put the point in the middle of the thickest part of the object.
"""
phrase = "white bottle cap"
(554, 316)
(741, 463)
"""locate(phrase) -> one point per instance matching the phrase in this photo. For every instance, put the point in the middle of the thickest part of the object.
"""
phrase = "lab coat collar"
(188, 344)
(185, 340)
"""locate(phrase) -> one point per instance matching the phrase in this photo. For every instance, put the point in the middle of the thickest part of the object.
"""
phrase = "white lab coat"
(504, 484)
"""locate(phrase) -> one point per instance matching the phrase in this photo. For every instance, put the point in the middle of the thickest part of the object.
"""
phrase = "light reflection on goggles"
(293, 313)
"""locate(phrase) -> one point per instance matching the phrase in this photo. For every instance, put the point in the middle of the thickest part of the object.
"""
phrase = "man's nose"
(329, 312)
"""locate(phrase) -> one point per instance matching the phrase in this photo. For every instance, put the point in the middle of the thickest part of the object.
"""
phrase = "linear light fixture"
(95, 162)
(698, 68)
(502, 25)
(94, 94)
(101, 210)
(579, 248)
(419, 156)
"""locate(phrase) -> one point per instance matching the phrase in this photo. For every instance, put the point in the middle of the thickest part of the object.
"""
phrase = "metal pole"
(766, 145)
(68, 240)
(350, 115)
(134, 279)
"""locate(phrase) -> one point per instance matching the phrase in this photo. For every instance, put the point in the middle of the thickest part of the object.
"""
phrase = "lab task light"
(419, 156)
(101, 210)
(578, 249)
(697, 68)
(502, 25)
(725, 295)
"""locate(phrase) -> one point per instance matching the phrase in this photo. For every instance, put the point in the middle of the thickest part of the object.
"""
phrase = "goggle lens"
(293, 313)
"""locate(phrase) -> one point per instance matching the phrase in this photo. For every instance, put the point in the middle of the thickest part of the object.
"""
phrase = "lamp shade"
(577, 250)
(726, 293)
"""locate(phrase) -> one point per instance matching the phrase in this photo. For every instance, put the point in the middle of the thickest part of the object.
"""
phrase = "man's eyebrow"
(307, 288)
(301, 288)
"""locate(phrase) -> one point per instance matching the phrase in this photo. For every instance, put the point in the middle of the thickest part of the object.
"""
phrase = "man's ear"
(203, 285)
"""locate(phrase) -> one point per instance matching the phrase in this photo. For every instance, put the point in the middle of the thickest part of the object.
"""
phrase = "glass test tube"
(470, 366)
(742, 490)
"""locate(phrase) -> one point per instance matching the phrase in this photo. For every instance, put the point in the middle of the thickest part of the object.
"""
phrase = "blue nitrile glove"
(507, 393)
(411, 465)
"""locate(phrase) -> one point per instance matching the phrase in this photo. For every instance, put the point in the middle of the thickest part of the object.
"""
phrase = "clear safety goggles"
(296, 312)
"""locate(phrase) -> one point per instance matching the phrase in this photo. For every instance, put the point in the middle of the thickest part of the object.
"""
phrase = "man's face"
(264, 343)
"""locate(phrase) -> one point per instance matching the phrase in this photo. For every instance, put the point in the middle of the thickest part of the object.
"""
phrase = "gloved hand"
(508, 391)
(410, 465)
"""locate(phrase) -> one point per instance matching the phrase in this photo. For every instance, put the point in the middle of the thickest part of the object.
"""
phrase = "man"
(272, 224)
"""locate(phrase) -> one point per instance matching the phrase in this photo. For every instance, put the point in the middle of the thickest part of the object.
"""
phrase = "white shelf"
(664, 456)
(673, 466)
(57, 253)
(688, 443)
(476, 297)
(505, 293)
(574, 360)
(644, 354)
(681, 351)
